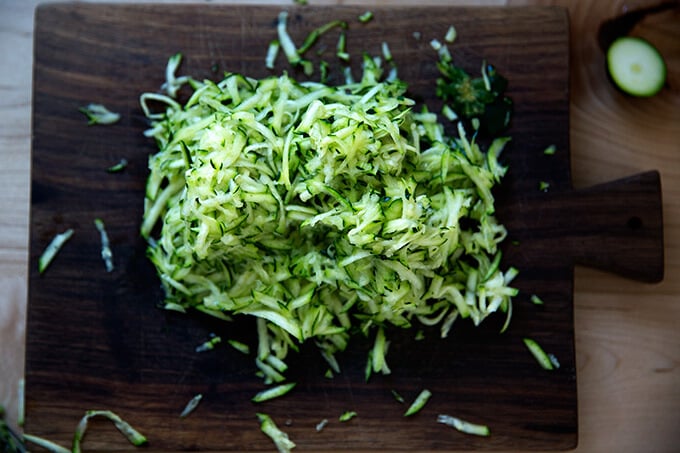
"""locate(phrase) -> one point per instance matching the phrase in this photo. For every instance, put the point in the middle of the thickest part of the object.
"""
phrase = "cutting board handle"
(616, 226)
(624, 220)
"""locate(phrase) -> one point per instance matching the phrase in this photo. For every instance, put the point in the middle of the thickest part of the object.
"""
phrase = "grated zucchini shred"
(322, 211)
(280, 438)
(191, 405)
(131, 434)
(420, 401)
(53, 248)
(45, 444)
(545, 360)
(464, 426)
(117, 168)
(321, 425)
(107, 254)
(347, 416)
(273, 392)
(99, 114)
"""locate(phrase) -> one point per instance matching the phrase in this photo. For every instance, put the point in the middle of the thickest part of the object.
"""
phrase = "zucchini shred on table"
(321, 210)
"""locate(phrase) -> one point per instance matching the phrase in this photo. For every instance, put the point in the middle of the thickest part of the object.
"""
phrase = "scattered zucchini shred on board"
(131, 434)
(463, 425)
(53, 248)
(277, 435)
(99, 114)
(323, 211)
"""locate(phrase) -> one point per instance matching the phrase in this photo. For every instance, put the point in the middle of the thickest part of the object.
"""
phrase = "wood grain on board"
(100, 340)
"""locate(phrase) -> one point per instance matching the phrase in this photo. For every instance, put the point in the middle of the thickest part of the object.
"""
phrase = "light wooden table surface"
(627, 333)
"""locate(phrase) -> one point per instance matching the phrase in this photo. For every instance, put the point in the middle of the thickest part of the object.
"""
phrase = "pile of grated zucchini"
(322, 211)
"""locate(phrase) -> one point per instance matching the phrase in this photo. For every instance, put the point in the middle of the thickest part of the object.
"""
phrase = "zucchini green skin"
(420, 401)
(545, 360)
(636, 66)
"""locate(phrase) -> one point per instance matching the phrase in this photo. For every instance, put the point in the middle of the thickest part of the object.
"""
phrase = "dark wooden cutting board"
(99, 340)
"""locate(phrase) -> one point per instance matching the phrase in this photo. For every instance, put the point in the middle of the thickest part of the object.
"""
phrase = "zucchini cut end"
(636, 66)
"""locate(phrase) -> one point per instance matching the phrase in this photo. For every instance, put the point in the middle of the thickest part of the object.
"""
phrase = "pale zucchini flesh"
(636, 66)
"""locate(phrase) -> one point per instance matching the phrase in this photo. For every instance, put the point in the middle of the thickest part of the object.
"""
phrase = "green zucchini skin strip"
(420, 401)
(543, 358)
(347, 416)
(273, 392)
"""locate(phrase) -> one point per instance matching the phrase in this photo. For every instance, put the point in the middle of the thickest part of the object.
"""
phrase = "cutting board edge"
(45, 6)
